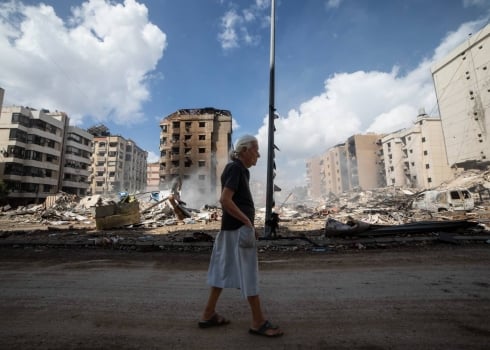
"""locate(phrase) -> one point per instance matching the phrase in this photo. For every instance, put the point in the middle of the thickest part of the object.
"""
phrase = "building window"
(202, 150)
(423, 139)
(176, 125)
(429, 180)
(426, 153)
(411, 151)
(202, 137)
(202, 163)
(427, 166)
(202, 124)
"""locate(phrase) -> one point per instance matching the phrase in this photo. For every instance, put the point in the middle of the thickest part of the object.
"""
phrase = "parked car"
(444, 200)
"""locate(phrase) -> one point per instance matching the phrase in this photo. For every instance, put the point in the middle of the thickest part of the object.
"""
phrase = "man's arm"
(231, 208)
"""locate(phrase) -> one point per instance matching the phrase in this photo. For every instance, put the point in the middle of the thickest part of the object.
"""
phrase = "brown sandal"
(263, 330)
(215, 321)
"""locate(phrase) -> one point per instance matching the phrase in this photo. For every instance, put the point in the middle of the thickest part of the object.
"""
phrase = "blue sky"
(342, 66)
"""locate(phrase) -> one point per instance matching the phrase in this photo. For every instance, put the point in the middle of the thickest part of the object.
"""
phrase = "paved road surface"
(436, 298)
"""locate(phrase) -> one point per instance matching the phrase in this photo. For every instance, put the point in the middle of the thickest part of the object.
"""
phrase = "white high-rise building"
(462, 83)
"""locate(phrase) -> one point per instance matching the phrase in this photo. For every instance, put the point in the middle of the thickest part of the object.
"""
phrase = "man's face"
(253, 154)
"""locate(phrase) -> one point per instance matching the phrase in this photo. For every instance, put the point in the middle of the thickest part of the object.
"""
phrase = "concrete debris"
(159, 220)
(160, 209)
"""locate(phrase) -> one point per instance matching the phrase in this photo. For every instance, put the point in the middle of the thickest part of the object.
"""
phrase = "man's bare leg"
(258, 318)
(210, 308)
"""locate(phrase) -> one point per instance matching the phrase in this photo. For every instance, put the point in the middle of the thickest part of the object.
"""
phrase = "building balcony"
(75, 184)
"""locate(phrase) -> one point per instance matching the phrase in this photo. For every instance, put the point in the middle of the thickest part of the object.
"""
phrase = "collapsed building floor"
(357, 220)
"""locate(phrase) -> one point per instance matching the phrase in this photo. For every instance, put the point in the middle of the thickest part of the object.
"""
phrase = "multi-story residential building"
(416, 157)
(314, 170)
(153, 176)
(194, 147)
(462, 84)
(396, 164)
(363, 162)
(76, 161)
(119, 165)
(346, 166)
(31, 152)
(335, 170)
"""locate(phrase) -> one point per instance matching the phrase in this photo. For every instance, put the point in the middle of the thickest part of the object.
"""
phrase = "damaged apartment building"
(194, 146)
(345, 167)
(430, 152)
(41, 154)
(462, 84)
(119, 165)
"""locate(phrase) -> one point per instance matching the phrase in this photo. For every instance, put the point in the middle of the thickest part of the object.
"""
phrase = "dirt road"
(437, 298)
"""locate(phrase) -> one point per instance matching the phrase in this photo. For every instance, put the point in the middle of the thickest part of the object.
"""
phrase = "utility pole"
(272, 114)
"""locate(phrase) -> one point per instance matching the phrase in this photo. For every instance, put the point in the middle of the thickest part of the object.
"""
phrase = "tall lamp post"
(270, 149)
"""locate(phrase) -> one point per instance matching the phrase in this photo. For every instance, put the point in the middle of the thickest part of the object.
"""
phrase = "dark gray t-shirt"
(236, 177)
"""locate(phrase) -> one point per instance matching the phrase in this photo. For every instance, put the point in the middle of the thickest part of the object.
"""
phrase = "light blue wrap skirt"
(234, 262)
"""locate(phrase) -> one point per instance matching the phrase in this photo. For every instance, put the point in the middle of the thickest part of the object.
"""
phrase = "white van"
(444, 200)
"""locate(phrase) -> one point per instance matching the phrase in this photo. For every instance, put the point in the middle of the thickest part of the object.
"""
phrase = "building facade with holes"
(194, 147)
(462, 83)
(40, 155)
(118, 165)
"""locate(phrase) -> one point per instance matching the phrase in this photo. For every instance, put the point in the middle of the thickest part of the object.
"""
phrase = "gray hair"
(243, 143)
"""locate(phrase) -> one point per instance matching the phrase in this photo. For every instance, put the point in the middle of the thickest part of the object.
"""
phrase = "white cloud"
(153, 157)
(96, 63)
(239, 28)
(228, 35)
(356, 102)
(453, 39)
(477, 3)
(235, 125)
(333, 4)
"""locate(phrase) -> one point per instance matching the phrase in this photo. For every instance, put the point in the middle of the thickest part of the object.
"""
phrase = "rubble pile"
(161, 220)
(58, 209)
